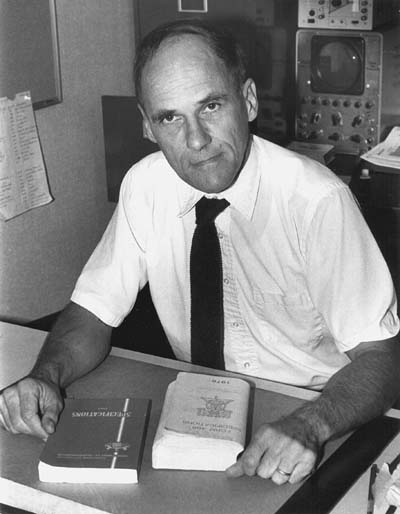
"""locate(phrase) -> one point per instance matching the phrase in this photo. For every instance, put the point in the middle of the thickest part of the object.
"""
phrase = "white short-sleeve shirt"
(304, 280)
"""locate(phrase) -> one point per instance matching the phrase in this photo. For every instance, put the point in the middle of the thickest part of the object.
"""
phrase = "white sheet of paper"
(386, 153)
(386, 490)
(23, 179)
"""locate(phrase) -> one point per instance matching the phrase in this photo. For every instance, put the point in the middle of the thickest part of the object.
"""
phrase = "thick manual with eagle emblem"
(202, 424)
(96, 441)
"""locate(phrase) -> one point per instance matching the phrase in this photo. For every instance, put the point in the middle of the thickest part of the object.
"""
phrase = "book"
(96, 441)
(323, 153)
(202, 424)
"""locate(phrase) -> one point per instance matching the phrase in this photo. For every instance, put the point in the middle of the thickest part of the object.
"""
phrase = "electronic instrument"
(339, 84)
(345, 14)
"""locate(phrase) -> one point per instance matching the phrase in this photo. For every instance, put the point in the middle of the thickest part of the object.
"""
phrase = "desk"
(126, 373)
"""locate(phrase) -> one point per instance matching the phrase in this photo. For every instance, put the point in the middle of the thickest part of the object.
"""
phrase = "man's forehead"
(184, 41)
(184, 63)
(190, 47)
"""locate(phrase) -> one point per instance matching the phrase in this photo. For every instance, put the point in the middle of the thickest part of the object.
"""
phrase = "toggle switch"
(357, 121)
(337, 119)
(315, 117)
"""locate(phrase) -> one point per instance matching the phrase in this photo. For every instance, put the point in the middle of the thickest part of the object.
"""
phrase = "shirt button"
(226, 280)
(246, 365)
(235, 324)
(220, 235)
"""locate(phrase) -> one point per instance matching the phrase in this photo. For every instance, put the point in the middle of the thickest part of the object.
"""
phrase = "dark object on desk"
(377, 186)
(320, 493)
(124, 143)
(344, 164)
(371, 488)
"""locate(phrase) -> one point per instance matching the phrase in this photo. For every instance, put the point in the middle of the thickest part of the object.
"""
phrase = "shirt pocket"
(291, 317)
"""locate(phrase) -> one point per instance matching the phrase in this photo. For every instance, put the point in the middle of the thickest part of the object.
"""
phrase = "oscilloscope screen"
(337, 65)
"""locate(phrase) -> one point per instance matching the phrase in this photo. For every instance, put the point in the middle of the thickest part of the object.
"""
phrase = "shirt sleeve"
(115, 272)
(348, 278)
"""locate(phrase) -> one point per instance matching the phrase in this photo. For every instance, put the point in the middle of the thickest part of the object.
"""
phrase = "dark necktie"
(207, 309)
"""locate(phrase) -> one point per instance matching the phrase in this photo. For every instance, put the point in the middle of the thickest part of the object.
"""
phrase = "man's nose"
(197, 136)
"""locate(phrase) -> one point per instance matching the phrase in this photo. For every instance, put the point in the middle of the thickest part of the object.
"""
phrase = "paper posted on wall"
(23, 180)
(386, 153)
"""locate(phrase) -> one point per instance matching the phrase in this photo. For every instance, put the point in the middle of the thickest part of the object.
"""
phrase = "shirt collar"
(242, 195)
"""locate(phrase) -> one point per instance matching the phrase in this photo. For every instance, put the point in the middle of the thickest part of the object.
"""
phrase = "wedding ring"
(283, 473)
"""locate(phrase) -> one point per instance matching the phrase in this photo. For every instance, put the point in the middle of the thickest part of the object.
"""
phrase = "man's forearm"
(360, 391)
(78, 343)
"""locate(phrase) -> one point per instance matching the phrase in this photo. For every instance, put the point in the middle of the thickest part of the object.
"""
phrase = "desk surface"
(127, 373)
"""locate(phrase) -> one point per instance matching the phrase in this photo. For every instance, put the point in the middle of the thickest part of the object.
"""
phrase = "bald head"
(221, 44)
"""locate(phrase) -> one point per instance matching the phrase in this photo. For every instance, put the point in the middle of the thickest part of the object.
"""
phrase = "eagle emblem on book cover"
(215, 407)
(116, 446)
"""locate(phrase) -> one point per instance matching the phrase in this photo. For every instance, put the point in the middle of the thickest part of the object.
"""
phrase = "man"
(308, 299)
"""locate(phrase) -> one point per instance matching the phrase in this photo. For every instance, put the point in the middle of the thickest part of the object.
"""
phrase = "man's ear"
(250, 96)
(147, 132)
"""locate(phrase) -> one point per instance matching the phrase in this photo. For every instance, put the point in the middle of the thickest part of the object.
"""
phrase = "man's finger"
(32, 425)
(50, 418)
(4, 416)
(247, 462)
(280, 477)
(304, 467)
(10, 408)
(29, 412)
(251, 457)
(235, 471)
(268, 465)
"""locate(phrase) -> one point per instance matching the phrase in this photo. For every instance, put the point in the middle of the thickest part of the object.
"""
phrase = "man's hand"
(288, 449)
(77, 344)
(30, 406)
(284, 451)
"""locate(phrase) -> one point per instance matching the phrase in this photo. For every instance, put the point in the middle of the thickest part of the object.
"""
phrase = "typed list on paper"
(23, 179)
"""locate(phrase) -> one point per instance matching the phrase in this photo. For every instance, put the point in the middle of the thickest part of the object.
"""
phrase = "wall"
(43, 251)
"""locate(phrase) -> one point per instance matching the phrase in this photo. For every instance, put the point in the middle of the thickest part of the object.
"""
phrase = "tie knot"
(207, 209)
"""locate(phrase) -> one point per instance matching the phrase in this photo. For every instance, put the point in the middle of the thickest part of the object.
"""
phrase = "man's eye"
(168, 118)
(212, 106)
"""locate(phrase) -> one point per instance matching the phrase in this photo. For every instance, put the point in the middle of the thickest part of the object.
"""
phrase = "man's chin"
(214, 185)
(212, 189)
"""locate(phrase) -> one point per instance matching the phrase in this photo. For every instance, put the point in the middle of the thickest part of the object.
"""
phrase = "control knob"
(314, 134)
(337, 119)
(357, 121)
(315, 117)
(356, 138)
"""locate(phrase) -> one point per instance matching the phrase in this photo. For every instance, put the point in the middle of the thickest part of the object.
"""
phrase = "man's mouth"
(205, 162)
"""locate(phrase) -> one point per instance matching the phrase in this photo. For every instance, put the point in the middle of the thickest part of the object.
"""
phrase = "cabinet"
(379, 198)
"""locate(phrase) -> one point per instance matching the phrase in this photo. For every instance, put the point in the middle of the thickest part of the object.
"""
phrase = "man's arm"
(78, 343)
(357, 393)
